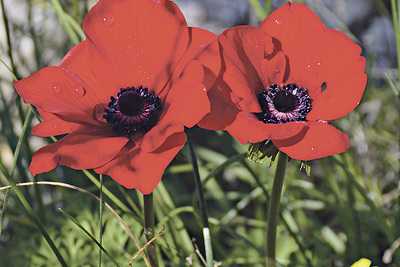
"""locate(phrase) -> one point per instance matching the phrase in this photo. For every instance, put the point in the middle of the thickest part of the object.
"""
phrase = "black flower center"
(133, 110)
(280, 105)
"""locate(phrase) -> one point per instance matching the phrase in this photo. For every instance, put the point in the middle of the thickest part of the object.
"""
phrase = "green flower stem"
(101, 216)
(273, 209)
(203, 205)
(395, 13)
(149, 228)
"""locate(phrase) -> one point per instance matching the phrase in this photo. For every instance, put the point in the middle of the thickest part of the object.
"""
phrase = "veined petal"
(290, 20)
(84, 149)
(154, 138)
(247, 67)
(327, 63)
(318, 140)
(135, 168)
(187, 101)
(134, 42)
(56, 90)
(324, 61)
(203, 47)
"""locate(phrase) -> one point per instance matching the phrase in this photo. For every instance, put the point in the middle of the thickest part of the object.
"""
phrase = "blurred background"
(346, 209)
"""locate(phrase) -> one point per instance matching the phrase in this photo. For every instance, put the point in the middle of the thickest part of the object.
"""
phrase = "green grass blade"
(223, 166)
(261, 12)
(18, 148)
(73, 37)
(22, 198)
(3, 211)
(6, 26)
(10, 70)
(33, 216)
(90, 236)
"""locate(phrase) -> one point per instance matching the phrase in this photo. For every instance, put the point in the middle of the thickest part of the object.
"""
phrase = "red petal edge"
(319, 140)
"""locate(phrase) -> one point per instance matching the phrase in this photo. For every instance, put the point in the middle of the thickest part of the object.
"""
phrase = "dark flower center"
(280, 105)
(133, 110)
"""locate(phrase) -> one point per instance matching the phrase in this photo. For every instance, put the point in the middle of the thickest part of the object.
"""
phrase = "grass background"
(346, 209)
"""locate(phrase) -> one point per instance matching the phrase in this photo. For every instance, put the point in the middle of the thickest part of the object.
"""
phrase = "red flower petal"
(215, 119)
(290, 20)
(328, 57)
(154, 138)
(53, 126)
(316, 141)
(204, 48)
(319, 56)
(246, 127)
(246, 67)
(84, 149)
(55, 90)
(129, 43)
(134, 168)
(188, 94)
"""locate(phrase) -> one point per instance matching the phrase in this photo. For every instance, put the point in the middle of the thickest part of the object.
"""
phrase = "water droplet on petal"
(56, 88)
(205, 89)
(313, 149)
(79, 90)
(278, 22)
(319, 63)
(108, 19)
(327, 97)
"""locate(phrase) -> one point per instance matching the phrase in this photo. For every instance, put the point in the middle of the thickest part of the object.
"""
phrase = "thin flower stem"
(292, 234)
(396, 26)
(101, 216)
(202, 203)
(149, 228)
(273, 209)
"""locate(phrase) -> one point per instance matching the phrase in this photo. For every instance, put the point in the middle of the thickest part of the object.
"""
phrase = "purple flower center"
(280, 105)
(133, 110)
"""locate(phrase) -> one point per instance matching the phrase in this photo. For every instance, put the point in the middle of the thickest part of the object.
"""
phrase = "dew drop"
(319, 63)
(313, 149)
(205, 89)
(79, 90)
(278, 22)
(56, 88)
(108, 19)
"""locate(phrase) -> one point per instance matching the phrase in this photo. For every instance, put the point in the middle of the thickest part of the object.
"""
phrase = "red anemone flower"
(286, 81)
(124, 95)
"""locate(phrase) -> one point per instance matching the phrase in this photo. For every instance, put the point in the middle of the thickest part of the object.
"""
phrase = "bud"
(262, 151)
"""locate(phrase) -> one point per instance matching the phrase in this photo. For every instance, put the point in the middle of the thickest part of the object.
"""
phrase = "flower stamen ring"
(286, 104)
(133, 110)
